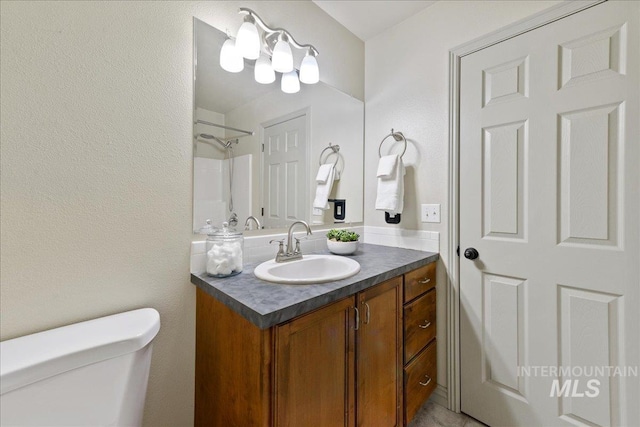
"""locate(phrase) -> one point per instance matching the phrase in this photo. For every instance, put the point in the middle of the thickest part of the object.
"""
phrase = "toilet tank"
(92, 373)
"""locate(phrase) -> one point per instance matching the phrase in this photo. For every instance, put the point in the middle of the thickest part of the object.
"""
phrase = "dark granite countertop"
(267, 304)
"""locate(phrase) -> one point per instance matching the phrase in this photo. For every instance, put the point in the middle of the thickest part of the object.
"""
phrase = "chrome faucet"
(233, 219)
(290, 253)
(254, 219)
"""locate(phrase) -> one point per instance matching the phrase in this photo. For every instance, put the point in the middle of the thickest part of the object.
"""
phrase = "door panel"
(285, 172)
(503, 325)
(380, 355)
(324, 394)
(549, 179)
(589, 175)
(587, 318)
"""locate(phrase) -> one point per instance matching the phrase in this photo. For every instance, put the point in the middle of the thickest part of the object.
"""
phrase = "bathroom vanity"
(359, 351)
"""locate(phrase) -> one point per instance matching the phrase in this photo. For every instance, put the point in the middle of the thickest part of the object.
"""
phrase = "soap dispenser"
(225, 248)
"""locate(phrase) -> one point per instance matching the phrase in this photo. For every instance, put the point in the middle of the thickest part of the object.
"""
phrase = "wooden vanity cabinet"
(303, 372)
(419, 320)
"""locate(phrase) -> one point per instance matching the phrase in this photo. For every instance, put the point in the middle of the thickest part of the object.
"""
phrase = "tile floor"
(433, 415)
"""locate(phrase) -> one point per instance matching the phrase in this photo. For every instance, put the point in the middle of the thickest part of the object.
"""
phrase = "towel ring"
(334, 149)
(398, 136)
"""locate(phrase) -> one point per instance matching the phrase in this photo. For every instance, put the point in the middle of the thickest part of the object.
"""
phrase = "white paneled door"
(284, 172)
(549, 204)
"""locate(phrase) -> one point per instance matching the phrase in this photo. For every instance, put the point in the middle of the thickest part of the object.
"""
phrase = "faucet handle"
(280, 245)
(297, 250)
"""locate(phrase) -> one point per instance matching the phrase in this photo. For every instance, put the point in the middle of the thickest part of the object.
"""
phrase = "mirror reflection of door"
(284, 171)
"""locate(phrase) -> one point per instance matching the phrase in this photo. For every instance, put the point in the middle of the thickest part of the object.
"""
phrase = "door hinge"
(263, 148)
(262, 214)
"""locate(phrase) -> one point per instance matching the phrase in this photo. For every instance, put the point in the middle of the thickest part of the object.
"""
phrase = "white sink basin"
(309, 269)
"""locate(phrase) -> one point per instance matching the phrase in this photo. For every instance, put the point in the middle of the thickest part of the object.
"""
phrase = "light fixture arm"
(269, 31)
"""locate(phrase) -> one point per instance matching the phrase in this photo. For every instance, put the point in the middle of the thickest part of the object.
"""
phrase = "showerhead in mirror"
(226, 143)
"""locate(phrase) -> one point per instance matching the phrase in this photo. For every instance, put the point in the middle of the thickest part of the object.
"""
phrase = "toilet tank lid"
(34, 357)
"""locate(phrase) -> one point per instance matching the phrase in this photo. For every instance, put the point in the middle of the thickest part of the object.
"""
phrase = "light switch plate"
(430, 213)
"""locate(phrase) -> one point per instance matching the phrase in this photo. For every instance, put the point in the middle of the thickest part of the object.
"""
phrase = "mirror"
(257, 150)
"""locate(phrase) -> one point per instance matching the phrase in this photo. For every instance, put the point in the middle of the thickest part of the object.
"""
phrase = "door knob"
(471, 253)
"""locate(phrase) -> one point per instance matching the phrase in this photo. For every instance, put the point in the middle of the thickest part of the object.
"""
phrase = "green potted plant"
(342, 242)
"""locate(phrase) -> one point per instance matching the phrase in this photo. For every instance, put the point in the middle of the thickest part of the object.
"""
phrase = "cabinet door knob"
(424, 281)
(426, 383)
(426, 325)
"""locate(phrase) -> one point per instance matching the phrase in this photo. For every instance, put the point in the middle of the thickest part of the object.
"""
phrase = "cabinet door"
(380, 355)
(314, 368)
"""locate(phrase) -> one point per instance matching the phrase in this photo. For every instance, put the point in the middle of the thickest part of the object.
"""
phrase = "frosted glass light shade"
(309, 72)
(290, 82)
(248, 41)
(230, 58)
(282, 58)
(263, 72)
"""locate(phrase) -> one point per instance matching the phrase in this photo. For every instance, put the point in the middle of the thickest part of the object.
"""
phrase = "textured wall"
(408, 89)
(96, 111)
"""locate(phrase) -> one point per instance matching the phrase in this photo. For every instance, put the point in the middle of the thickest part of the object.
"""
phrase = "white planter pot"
(342, 248)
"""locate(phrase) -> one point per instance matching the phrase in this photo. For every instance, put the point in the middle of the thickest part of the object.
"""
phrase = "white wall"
(406, 88)
(96, 164)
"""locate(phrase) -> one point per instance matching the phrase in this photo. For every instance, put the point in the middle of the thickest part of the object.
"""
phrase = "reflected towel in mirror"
(323, 189)
(323, 173)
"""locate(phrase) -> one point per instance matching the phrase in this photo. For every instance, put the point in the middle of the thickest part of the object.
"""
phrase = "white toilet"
(91, 373)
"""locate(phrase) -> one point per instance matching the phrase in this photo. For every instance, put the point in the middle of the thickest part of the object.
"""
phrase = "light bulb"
(230, 58)
(248, 40)
(282, 59)
(309, 72)
(263, 72)
(290, 82)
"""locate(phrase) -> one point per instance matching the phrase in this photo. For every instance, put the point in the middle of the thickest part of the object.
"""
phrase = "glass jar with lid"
(225, 248)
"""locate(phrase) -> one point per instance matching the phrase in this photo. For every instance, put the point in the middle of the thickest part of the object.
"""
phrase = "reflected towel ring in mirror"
(335, 149)
(398, 136)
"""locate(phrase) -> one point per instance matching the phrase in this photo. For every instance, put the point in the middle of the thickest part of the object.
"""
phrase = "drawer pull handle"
(426, 383)
(424, 281)
(426, 325)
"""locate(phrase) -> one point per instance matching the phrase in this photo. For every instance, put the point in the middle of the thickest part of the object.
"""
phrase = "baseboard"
(439, 396)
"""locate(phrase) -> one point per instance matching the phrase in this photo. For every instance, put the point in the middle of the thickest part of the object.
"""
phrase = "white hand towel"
(387, 165)
(323, 190)
(323, 173)
(390, 196)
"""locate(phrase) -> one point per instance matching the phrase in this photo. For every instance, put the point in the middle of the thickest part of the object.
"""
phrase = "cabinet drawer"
(419, 324)
(419, 381)
(419, 281)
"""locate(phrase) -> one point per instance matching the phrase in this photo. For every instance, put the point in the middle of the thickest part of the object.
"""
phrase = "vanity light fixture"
(274, 42)
(290, 82)
(282, 57)
(248, 39)
(263, 72)
(230, 58)
(309, 73)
